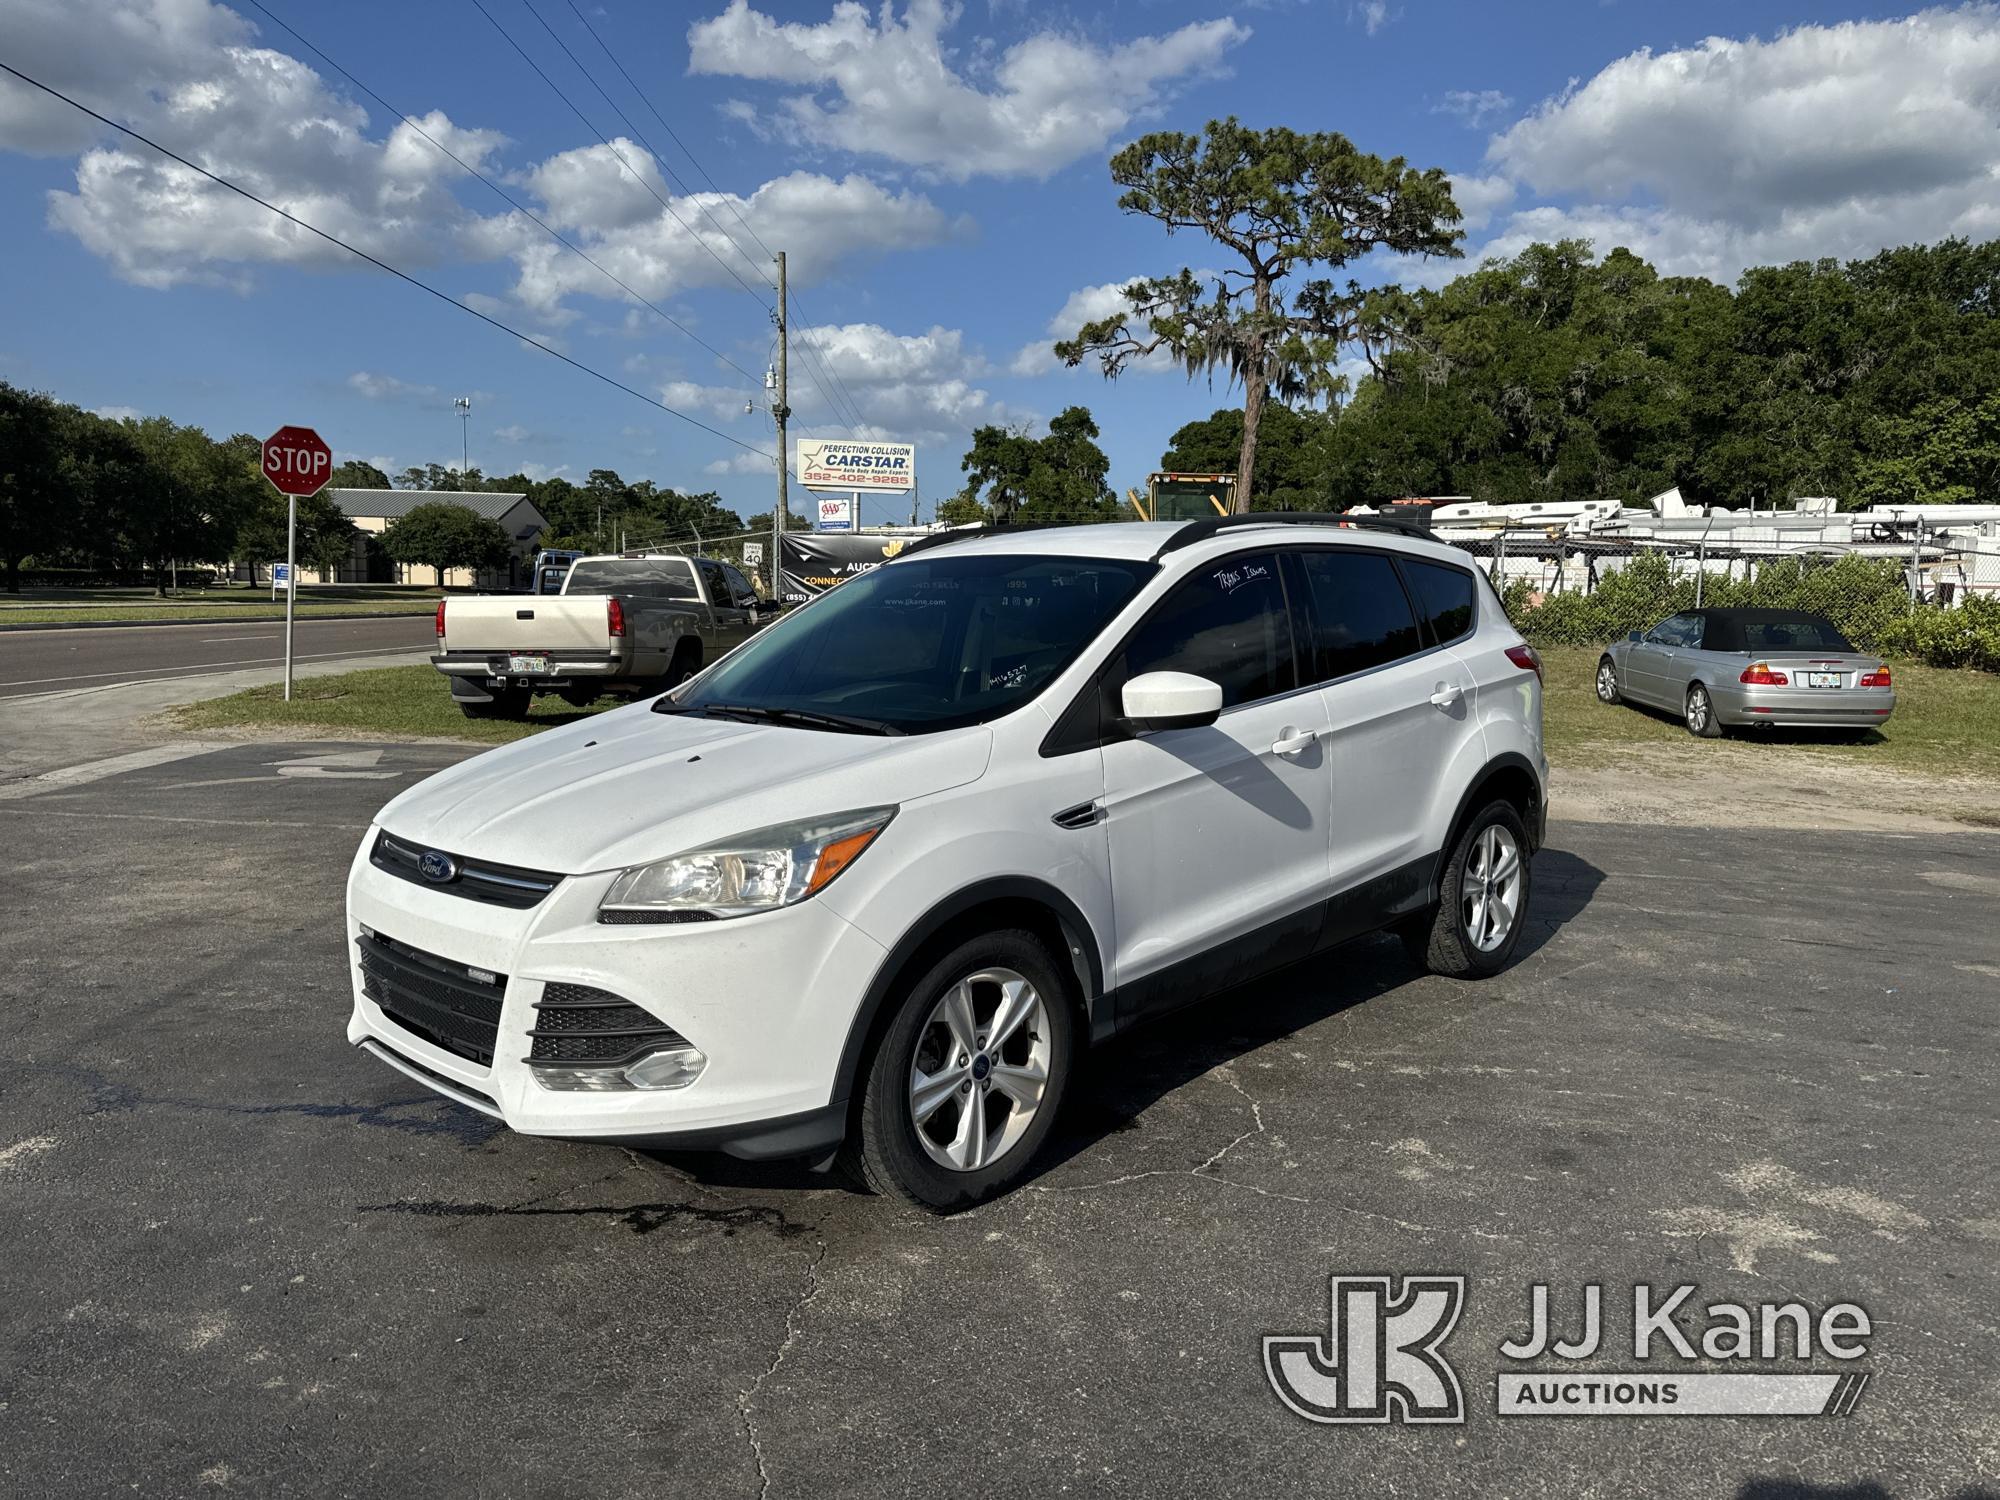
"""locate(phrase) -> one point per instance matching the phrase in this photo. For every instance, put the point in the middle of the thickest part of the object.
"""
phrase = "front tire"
(1482, 899)
(1700, 715)
(1607, 681)
(967, 1081)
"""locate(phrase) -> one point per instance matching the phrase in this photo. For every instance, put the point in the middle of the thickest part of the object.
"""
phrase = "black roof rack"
(1208, 526)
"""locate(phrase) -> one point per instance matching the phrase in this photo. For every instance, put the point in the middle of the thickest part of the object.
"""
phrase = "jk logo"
(1381, 1360)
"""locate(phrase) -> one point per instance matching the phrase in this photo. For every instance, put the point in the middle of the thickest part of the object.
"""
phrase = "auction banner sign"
(837, 464)
(817, 561)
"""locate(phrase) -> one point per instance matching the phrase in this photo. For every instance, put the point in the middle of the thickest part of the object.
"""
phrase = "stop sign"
(296, 461)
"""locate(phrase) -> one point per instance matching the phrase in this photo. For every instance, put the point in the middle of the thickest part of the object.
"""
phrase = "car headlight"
(759, 871)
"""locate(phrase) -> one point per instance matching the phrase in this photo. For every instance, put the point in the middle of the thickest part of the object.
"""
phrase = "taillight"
(1527, 658)
(1761, 675)
(614, 617)
(1877, 678)
(440, 619)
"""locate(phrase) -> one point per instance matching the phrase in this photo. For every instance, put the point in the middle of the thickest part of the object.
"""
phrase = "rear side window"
(1444, 598)
(1227, 623)
(1360, 616)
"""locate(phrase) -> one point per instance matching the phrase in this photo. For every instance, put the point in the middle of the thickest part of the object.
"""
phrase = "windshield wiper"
(754, 714)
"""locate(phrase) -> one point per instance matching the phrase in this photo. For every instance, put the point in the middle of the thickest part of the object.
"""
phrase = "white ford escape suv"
(873, 880)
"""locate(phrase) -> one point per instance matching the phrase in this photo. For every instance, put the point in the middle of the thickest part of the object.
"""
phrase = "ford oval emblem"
(437, 867)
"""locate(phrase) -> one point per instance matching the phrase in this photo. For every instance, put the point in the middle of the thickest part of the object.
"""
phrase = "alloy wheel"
(1490, 889)
(981, 1069)
(1697, 710)
(1607, 682)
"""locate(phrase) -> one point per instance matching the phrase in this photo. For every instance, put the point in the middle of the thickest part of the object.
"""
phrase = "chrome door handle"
(1294, 741)
(1446, 696)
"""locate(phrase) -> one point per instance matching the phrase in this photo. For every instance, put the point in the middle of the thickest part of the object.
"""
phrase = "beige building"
(371, 511)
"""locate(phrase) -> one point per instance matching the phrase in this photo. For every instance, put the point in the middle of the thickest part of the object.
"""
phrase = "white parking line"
(96, 770)
(197, 669)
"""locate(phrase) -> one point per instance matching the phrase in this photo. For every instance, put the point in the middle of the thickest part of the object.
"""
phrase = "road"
(34, 662)
(1760, 1064)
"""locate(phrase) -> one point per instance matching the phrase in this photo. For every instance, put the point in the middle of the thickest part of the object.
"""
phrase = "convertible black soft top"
(1769, 630)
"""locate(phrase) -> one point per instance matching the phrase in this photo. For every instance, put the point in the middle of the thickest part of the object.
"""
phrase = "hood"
(631, 785)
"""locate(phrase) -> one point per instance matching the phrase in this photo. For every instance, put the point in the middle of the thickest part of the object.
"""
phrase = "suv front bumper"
(769, 1000)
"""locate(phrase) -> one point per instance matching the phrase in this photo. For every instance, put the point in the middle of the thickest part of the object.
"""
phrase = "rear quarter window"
(1444, 598)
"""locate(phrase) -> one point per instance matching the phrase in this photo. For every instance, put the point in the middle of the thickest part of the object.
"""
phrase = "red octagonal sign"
(296, 461)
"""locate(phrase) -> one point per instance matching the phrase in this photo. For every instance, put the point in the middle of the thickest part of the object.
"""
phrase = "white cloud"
(921, 388)
(590, 192)
(886, 85)
(1372, 14)
(1474, 106)
(513, 432)
(191, 73)
(1479, 198)
(118, 413)
(259, 117)
(1822, 141)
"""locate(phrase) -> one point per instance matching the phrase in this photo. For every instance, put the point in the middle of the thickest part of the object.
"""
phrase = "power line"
(827, 378)
(379, 264)
(507, 197)
(755, 268)
(817, 353)
(707, 248)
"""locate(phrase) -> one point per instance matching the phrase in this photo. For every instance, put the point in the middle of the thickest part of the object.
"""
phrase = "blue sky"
(936, 175)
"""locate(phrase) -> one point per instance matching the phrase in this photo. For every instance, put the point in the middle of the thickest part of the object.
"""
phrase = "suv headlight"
(758, 871)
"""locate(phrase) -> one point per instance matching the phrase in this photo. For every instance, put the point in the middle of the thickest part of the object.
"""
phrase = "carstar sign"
(297, 461)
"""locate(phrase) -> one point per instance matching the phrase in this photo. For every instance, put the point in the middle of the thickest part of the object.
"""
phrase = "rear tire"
(1467, 936)
(686, 662)
(1700, 714)
(506, 703)
(918, 1138)
(1607, 681)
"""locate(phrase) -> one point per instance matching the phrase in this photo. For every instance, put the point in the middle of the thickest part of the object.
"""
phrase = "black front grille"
(449, 1005)
(475, 879)
(576, 1025)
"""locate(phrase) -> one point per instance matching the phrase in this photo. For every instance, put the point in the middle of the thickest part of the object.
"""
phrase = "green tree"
(325, 535)
(40, 505)
(195, 495)
(1947, 452)
(355, 474)
(439, 535)
(962, 509)
(1292, 461)
(1059, 477)
(1278, 201)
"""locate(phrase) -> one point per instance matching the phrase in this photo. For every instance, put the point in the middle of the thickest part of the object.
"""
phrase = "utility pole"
(464, 405)
(781, 412)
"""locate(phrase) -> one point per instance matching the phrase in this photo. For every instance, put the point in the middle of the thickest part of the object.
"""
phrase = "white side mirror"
(1171, 700)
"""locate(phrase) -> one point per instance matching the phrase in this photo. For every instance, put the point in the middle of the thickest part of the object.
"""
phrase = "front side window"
(1360, 615)
(932, 643)
(1444, 596)
(1227, 623)
(1671, 631)
(641, 577)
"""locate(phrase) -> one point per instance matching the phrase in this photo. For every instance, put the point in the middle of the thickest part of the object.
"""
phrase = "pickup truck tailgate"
(532, 622)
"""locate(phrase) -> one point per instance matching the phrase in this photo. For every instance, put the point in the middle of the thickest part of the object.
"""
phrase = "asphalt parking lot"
(237, 1255)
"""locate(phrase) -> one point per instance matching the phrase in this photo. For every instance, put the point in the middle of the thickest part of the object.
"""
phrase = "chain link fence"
(1576, 591)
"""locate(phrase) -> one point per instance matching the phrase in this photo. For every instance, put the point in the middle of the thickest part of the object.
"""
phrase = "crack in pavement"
(746, 1402)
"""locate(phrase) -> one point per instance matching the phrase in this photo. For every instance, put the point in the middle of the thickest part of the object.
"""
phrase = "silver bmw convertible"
(1725, 668)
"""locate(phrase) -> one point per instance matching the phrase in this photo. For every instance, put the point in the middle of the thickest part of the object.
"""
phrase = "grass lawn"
(379, 700)
(316, 601)
(1946, 723)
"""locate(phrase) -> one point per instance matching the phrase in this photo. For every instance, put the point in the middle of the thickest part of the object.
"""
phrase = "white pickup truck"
(632, 624)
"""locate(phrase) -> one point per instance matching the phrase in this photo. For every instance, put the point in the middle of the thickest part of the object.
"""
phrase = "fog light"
(670, 1068)
(582, 1080)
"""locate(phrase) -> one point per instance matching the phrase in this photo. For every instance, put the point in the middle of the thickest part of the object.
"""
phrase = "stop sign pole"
(297, 463)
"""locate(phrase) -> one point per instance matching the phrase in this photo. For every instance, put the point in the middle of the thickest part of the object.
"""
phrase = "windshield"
(647, 577)
(927, 644)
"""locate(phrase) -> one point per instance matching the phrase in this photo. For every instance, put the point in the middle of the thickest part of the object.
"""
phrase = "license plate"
(1823, 679)
(527, 664)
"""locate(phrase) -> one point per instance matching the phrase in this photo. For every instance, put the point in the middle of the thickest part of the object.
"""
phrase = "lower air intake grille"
(577, 1025)
(448, 1004)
